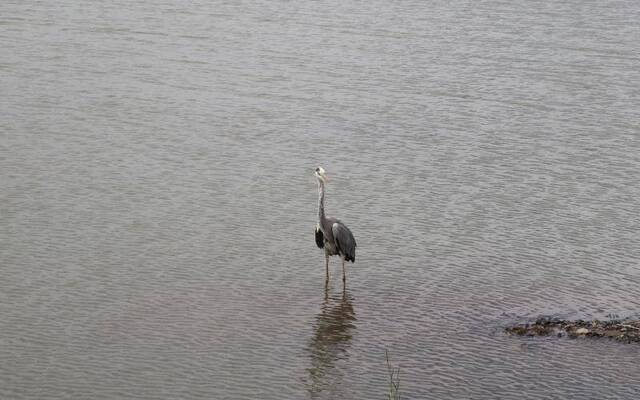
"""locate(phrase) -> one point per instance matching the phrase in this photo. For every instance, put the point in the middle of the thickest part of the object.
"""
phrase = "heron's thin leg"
(326, 267)
(344, 276)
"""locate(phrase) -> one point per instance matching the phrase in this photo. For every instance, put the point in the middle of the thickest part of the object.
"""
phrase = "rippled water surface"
(157, 202)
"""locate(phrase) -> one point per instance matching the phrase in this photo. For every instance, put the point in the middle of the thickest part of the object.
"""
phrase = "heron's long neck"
(321, 215)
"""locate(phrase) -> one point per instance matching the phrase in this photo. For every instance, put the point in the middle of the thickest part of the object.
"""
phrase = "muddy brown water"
(158, 204)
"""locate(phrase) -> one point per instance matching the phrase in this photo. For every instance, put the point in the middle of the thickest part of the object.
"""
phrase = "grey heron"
(331, 233)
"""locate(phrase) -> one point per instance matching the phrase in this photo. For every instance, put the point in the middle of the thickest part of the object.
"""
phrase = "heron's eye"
(317, 169)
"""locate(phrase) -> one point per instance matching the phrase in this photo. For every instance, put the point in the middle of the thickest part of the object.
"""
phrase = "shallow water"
(158, 204)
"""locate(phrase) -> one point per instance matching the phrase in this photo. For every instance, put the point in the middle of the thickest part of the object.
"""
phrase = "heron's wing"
(319, 237)
(345, 242)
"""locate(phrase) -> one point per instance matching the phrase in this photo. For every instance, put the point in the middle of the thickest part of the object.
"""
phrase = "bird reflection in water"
(333, 329)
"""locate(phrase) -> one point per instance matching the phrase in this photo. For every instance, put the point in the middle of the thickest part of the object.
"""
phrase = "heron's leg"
(344, 276)
(326, 267)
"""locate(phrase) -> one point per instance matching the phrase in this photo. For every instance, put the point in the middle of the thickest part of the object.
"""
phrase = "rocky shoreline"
(627, 331)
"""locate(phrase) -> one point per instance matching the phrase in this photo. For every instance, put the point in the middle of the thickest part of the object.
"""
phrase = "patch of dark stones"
(626, 331)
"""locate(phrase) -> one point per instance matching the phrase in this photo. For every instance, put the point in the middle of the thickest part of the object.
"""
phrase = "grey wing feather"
(319, 237)
(345, 242)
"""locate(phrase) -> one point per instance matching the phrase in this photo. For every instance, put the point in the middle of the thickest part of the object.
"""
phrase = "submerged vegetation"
(394, 379)
(626, 331)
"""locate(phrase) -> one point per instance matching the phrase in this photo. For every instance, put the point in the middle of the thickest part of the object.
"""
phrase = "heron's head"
(321, 175)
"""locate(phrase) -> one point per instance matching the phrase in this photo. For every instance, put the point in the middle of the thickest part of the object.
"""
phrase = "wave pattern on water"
(157, 205)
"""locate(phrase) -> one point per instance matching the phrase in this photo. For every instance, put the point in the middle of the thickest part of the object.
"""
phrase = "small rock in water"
(626, 331)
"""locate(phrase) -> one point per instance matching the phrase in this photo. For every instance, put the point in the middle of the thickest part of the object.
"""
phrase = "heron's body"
(331, 233)
(325, 230)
